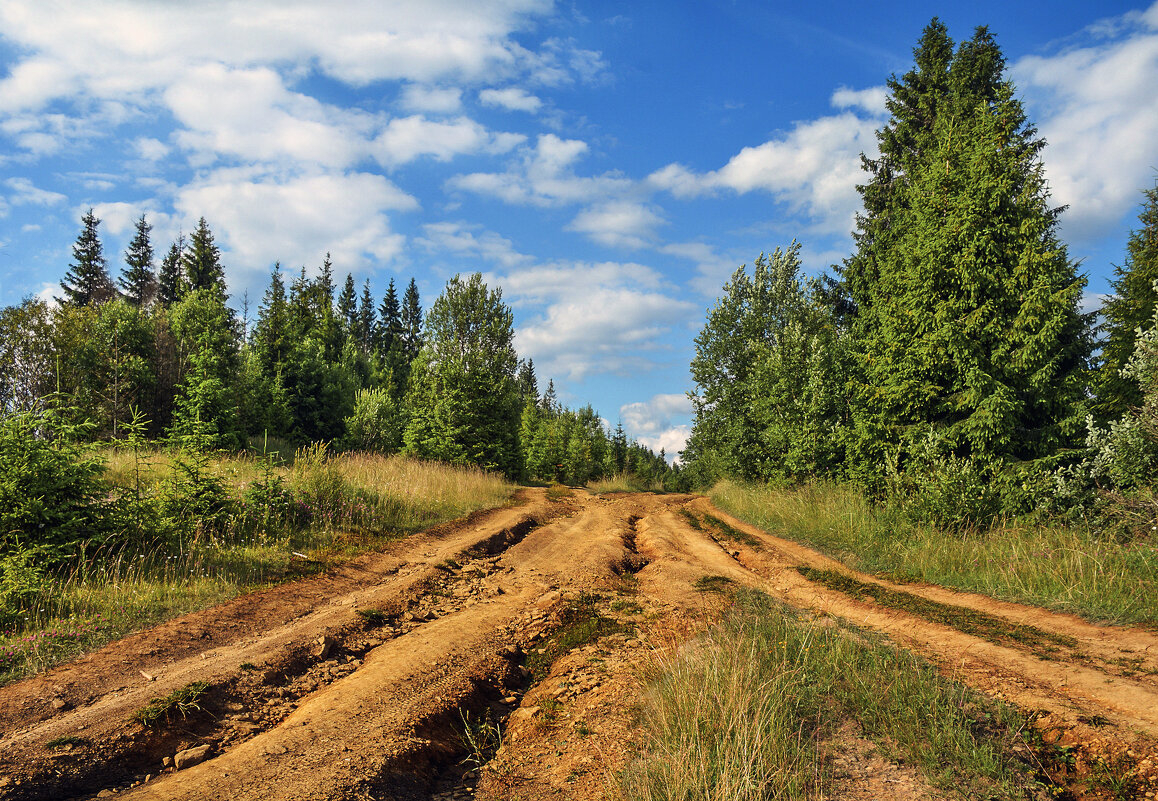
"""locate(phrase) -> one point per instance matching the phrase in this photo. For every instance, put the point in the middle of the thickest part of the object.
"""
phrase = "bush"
(956, 494)
(22, 580)
(376, 424)
(52, 494)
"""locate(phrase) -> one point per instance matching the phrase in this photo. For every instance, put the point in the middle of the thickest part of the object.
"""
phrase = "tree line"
(947, 360)
(162, 345)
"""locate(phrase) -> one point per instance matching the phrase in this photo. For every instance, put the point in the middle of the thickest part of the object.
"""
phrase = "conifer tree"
(171, 284)
(138, 279)
(528, 383)
(411, 321)
(1128, 310)
(389, 322)
(348, 306)
(87, 281)
(271, 335)
(367, 319)
(202, 261)
(967, 326)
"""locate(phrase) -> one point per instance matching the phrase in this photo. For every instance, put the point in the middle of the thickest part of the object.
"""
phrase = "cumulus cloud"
(654, 422)
(544, 175)
(23, 193)
(471, 241)
(871, 100)
(434, 99)
(813, 168)
(619, 223)
(263, 217)
(1094, 103)
(408, 138)
(512, 99)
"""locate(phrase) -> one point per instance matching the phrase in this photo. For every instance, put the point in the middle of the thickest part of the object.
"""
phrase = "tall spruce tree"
(967, 326)
(138, 278)
(367, 319)
(87, 281)
(202, 261)
(411, 321)
(348, 306)
(1128, 310)
(389, 322)
(171, 284)
(271, 336)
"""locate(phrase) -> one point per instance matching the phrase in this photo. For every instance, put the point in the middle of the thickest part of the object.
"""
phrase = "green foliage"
(184, 702)
(966, 319)
(206, 335)
(201, 263)
(463, 399)
(26, 351)
(957, 494)
(23, 580)
(52, 495)
(137, 278)
(195, 498)
(87, 280)
(376, 423)
(769, 371)
(1127, 312)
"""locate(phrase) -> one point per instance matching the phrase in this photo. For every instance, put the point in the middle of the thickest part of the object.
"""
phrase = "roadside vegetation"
(165, 532)
(754, 709)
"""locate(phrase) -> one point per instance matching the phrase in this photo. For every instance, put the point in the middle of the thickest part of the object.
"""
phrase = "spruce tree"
(171, 283)
(367, 319)
(202, 261)
(138, 279)
(967, 326)
(389, 322)
(87, 281)
(1128, 310)
(348, 306)
(271, 335)
(411, 321)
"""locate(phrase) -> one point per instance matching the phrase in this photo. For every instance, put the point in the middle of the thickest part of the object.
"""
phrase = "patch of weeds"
(713, 584)
(557, 492)
(1042, 644)
(626, 607)
(60, 742)
(184, 701)
(481, 737)
(582, 729)
(717, 528)
(373, 617)
(580, 623)
(551, 708)
(247, 666)
(448, 565)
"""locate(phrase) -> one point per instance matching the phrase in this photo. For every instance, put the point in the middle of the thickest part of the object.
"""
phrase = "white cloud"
(24, 193)
(1095, 105)
(462, 239)
(813, 169)
(150, 149)
(870, 101)
(544, 176)
(512, 99)
(619, 223)
(434, 99)
(259, 218)
(408, 138)
(652, 422)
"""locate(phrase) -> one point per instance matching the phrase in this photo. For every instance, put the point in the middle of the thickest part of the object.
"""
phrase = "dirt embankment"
(359, 684)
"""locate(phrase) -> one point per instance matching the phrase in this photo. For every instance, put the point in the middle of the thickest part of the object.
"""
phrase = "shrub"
(22, 580)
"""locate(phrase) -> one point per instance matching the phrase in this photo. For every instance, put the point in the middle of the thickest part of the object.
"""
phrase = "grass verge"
(746, 712)
(1058, 567)
(339, 506)
(579, 624)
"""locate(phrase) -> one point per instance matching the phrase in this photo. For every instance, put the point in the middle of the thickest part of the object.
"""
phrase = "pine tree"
(389, 322)
(528, 383)
(348, 306)
(1128, 310)
(87, 281)
(271, 333)
(411, 321)
(367, 319)
(171, 285)
(967, 327)
(138, 279)
(202, 261)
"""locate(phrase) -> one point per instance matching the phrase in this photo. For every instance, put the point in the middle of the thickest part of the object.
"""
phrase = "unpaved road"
(355, 684)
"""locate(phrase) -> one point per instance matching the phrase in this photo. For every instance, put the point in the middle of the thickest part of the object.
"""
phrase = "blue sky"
(607, 164)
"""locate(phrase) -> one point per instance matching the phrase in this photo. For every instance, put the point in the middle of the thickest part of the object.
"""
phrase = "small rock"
(324, 646)
(106, 793)
(510, 699)
(190, 757)
(167, 762)
(60, 703)
(524, 713)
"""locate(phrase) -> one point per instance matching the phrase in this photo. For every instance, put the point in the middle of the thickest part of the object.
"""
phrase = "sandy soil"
(356, 684)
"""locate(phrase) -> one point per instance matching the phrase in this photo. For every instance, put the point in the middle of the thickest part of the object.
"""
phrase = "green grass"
(580, 624)
(1059, 567)
(348, 503)
(970, 621)
(720, 584)
(184, 702)
(745, 713)
(718, 528)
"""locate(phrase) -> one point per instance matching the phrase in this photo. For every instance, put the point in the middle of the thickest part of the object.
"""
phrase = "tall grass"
(749, 711)
(331, 509)
(1065, 568)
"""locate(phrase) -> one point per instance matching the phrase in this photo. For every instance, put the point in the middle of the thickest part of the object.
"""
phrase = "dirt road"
(358, 684)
